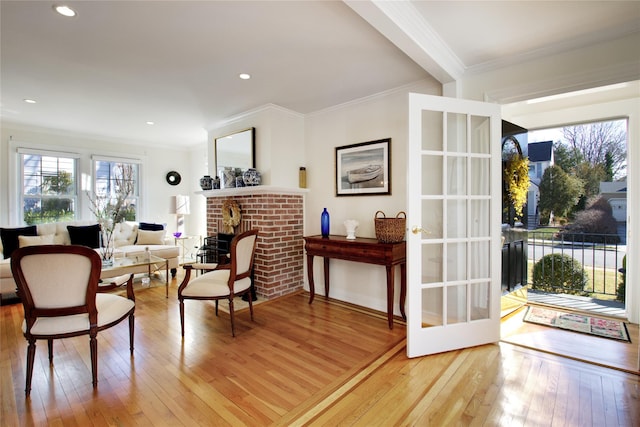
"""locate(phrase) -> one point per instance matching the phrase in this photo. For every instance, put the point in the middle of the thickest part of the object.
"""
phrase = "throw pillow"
(150, 227)
(46, 239)
(9, 238)
(147, 237)
(87, 235)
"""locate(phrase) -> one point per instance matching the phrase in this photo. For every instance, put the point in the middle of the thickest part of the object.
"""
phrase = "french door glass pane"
(480, 222)
(456, 133)
(479, 300)
(456, 304)
(456, 176)
(432, 219)
(456, 261)
(480, 135)
(456, 218)
(432, 183)
(432, 130)
(432, 307)
(480, 173)
(432, 263)
(479, 265)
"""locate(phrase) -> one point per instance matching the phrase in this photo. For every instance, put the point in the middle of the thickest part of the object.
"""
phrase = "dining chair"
(58, 286)
(222, 281)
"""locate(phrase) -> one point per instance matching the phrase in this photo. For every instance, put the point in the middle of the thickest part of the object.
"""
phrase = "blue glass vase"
(324, 223)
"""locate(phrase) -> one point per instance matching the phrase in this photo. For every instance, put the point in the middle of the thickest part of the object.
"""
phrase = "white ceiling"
(119, 64)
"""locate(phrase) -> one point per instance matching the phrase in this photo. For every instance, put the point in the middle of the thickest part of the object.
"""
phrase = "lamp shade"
(182, 205)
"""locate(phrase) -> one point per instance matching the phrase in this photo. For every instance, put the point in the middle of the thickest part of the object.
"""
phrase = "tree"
(565, 157)
(53, 205)
(601, 143)
(559, 192)
(591, 176)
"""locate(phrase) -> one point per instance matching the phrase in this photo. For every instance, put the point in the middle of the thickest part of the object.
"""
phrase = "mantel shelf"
(257, 189)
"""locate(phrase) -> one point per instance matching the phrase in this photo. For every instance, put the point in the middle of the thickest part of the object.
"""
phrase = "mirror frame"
(218, 142)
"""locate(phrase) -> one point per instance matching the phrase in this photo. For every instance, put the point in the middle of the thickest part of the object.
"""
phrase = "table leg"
(403, 288)
(326, 278)
(312, 288)
(390, 289)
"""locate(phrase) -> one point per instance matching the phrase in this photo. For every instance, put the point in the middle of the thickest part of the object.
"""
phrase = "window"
(49, 187)
(112, 177)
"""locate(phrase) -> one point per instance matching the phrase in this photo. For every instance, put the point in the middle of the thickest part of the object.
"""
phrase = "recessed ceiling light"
(150, 123)
(245, 76)
(65, 10)
(30, 101)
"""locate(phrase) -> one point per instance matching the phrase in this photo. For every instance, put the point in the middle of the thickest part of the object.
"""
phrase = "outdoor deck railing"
(601, 261)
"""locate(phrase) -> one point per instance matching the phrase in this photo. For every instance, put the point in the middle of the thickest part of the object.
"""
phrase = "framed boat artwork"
(364, 169)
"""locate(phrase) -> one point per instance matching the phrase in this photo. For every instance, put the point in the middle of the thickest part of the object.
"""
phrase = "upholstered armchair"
(222, 281)
(58, 285)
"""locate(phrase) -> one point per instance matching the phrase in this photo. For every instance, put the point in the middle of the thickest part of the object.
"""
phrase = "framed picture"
(364, 169)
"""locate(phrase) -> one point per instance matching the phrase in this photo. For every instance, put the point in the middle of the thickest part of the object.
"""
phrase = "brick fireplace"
(278, 214)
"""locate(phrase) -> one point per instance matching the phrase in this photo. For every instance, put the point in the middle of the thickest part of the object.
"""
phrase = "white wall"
(377, 117)
(156, 162)
(279, 143)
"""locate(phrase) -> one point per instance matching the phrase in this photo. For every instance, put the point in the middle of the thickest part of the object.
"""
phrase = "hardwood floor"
(602, 351)
(296, 364)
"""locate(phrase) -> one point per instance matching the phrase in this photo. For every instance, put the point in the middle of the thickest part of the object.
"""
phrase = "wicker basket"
(390, 230)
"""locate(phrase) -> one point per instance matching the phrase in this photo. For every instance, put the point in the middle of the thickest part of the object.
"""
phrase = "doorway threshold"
(578, 303)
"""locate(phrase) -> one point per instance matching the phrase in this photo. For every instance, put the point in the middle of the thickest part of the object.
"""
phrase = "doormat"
(614, 329)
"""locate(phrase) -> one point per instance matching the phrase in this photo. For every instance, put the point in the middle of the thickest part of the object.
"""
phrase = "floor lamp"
(181, 209)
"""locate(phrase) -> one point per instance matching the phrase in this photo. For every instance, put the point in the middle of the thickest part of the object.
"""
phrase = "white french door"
(453, 244)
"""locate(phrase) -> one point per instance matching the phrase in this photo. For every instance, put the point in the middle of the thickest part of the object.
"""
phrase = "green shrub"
(620, 291)
(559, 274)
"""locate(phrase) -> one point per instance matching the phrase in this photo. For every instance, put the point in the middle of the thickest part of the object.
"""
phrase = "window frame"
(21, 152)
(113, 160)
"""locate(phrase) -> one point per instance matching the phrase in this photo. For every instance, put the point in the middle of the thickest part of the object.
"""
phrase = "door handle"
(417, 230)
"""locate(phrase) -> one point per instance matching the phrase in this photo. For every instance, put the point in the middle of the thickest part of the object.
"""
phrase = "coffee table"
(136, 264)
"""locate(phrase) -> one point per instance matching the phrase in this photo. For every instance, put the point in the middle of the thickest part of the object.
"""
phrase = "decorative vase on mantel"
(251, 177)
(228, 178)
(206, 182)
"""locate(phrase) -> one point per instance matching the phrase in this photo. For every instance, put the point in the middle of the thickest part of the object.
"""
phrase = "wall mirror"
(235, 151)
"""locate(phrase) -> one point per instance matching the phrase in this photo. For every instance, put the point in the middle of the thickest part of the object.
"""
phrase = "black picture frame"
(364, 169)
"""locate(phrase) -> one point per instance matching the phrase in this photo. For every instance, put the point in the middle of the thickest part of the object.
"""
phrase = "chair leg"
(93, 345)
(31, 354)
(231, 314)
(216, 308)
(131, 331)
(50, 346)
(182, 317)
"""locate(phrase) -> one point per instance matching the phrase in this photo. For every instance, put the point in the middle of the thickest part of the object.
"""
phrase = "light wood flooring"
(603, 351)
(327, 363)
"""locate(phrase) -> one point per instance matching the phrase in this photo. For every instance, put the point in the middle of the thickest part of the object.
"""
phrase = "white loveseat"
(128, 240)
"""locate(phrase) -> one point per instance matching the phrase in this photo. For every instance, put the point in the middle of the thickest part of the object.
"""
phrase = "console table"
(364, 250)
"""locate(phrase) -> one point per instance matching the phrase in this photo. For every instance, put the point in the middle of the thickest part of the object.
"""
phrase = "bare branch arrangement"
(110, 206)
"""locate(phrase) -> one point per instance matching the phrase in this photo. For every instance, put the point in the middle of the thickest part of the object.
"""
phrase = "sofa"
(128, 238)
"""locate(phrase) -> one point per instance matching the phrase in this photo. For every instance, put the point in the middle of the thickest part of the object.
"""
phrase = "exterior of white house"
(616, 194)
(540, 158)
